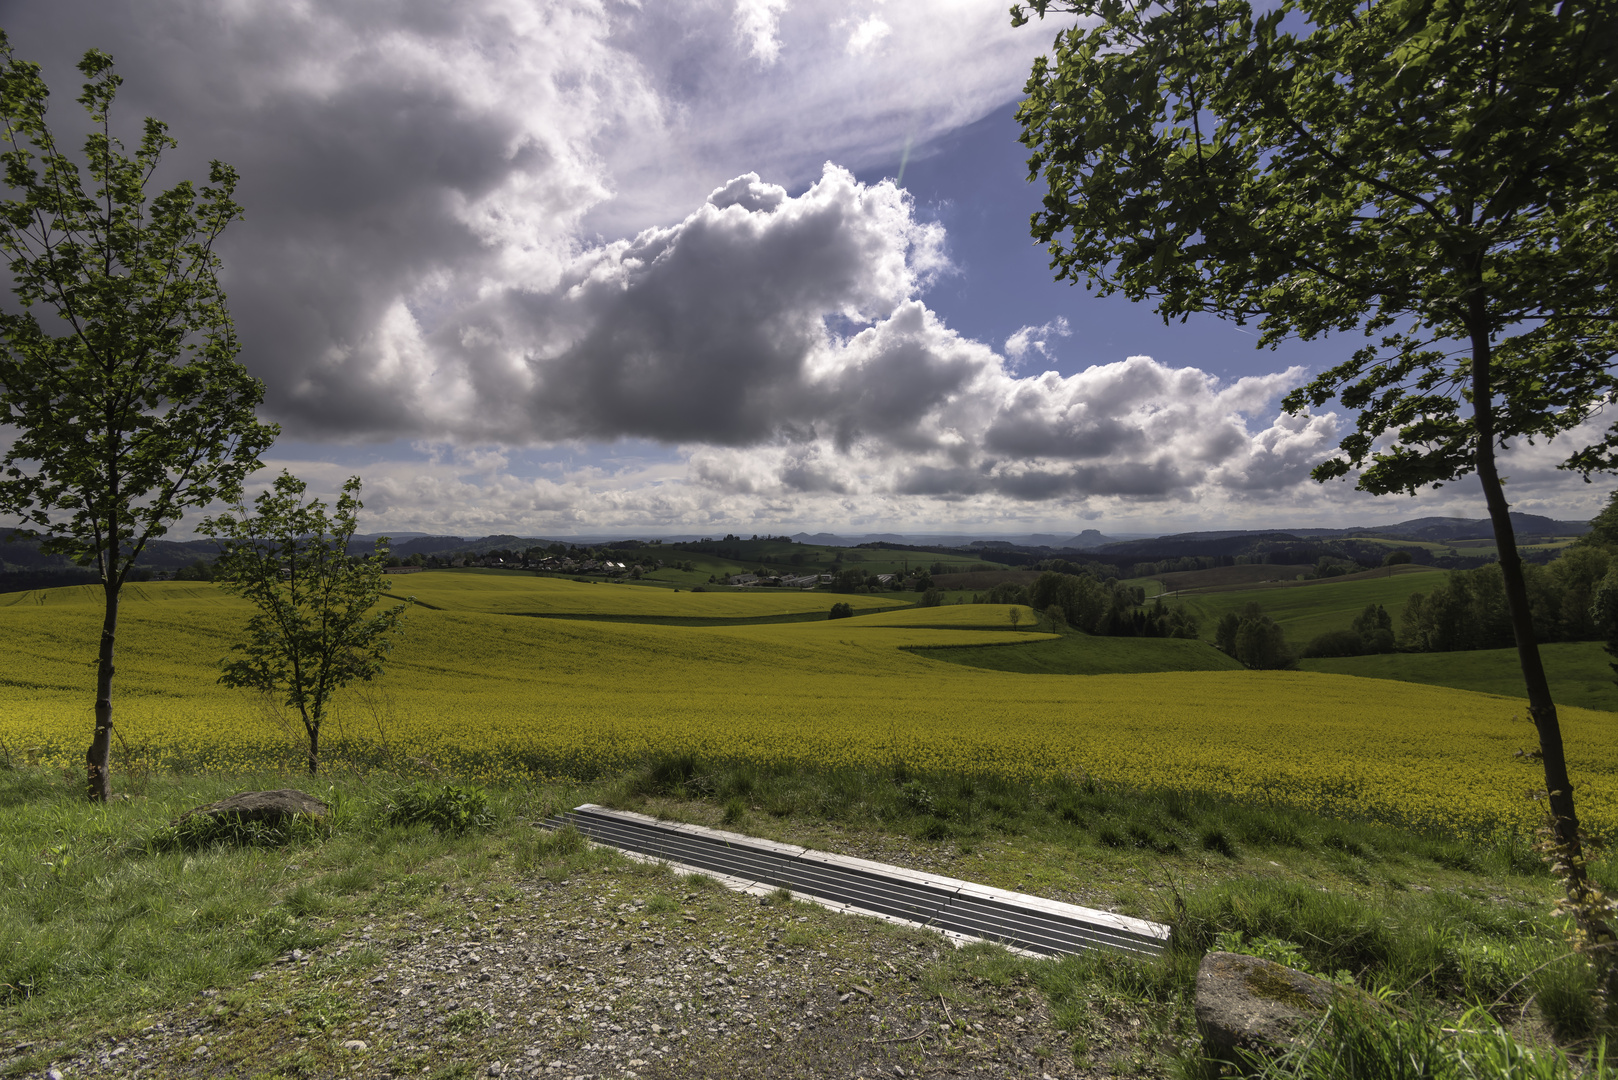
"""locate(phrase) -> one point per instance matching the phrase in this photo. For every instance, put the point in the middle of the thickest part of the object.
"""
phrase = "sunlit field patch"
(497, 696)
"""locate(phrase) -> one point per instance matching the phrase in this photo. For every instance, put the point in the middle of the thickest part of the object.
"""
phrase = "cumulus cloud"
(868, 35)
(1036, 339)
(507, 223)
(782, 340)
(756, 25)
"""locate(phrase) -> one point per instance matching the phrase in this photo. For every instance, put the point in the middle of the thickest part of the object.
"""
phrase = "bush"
(453, 808)
(841, 611)
(1335, 643)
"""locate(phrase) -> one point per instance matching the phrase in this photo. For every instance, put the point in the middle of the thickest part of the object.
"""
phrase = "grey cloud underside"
(419, 181)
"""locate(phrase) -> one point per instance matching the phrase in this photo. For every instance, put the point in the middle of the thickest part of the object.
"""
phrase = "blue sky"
(564, 267)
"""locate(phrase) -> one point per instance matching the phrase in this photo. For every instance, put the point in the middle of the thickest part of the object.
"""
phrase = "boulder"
(1247, 1003)
(273, 808)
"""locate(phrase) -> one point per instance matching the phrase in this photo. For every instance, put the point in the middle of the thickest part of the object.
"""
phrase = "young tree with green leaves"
(314, 631)
(127, 400)
(1441, 175)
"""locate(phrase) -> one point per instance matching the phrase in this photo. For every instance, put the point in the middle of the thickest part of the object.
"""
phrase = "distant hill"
(1430, 529)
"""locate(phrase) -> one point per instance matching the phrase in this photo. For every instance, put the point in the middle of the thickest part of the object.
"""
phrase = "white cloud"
(1036, 339)
(418, 261)
(867, 36)
(756, 24)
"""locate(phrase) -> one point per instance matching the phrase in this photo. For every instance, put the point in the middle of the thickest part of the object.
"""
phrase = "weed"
(196, 831)
(472, 1021)
(451, 808)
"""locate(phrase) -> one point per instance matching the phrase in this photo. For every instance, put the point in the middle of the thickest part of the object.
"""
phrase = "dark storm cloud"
(396, 158)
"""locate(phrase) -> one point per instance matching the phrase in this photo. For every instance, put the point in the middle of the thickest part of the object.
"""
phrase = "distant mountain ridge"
(1426, 529)
(24, 555)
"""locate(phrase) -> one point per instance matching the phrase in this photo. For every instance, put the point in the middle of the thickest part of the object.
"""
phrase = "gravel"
(620, 971)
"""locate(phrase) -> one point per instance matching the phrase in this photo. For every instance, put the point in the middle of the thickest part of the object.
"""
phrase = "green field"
(720, 557)
(1578, 671)
(1307, 608)
(1080, 654)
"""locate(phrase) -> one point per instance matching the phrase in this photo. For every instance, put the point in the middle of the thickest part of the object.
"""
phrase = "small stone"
(356, 1044)
(53, 1074)
(496, 1068)
(843, 999)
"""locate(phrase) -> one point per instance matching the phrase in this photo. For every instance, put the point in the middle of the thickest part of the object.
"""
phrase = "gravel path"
(620, 971)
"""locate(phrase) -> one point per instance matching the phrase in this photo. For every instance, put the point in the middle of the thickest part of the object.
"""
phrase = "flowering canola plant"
(497, 695)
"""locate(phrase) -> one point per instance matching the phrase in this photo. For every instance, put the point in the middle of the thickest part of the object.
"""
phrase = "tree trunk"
(1541, 709)
(312, 726)
(97, 759)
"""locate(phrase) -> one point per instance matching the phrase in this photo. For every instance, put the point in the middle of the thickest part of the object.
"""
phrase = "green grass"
(1579, 671)
(1309, 608)
(1080, 654)
(100, 930)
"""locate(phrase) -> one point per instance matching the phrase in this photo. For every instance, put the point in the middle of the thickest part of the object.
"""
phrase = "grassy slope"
(785, 557)
(1080, 654)
(1578, 671)
(1314, 607)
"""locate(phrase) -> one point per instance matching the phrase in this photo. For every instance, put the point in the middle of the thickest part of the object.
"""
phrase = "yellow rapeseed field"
(494, 592)
(497, 694)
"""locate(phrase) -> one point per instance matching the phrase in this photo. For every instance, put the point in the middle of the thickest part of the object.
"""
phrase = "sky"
(757, 266)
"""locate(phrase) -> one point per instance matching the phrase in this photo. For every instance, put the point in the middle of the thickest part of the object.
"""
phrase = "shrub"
(841, 611)
(453, 808)
(1335, 643)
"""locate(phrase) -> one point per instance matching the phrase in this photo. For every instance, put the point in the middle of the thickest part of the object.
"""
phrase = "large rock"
(1246, 1003)
(272, 808)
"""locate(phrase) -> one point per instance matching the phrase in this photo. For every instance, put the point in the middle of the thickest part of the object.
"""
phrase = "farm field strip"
(1306, 611)
(1580, 672)
(496, 695)
(497, 593)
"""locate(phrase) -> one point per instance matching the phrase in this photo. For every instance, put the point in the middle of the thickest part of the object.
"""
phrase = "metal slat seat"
(959, 908)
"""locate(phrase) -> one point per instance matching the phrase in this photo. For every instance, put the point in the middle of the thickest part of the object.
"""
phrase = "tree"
(1604, 613)
(1603, 527)
(314, 631)
(1442, 176)
(127, 400)
(1253, 638)
(1374, 627)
